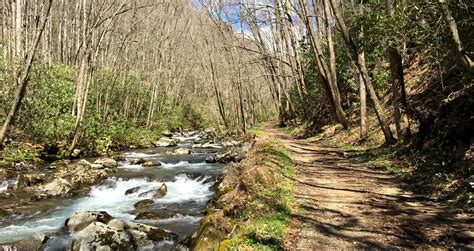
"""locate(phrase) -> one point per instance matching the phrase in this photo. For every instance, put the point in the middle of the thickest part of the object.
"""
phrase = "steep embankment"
(254, 202)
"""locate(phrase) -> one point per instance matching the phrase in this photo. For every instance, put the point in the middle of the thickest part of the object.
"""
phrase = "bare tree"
(22, 76)
(360, 63)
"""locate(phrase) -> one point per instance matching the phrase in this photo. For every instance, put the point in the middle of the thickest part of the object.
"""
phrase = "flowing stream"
(189, 180)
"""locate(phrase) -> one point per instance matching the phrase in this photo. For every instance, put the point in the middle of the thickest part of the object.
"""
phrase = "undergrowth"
(255, 204)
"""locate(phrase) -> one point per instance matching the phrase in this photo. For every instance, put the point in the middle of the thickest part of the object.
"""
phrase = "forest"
(236, 124)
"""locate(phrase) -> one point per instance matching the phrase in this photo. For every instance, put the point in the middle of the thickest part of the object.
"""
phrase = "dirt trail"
(346, 204)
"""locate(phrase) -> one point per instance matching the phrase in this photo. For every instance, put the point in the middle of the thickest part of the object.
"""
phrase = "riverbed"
(189, 179)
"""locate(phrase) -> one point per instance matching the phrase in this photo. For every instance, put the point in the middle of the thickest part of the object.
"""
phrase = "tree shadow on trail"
(381, 220)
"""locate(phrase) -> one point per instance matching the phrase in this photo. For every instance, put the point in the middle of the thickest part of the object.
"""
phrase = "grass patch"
(257, 130)
(254, 210)
(268, 211)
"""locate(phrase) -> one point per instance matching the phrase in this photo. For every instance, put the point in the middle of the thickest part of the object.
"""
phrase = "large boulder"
(71, 179)
(81, 220)
(99, 236)
(59, 164)
(119, 235)
(143, 235)
(31, 179)
(57, 187)
(161, 192)
(166, 142)
(80, 177)
(83, 163)
(107, 162)
(33, 242)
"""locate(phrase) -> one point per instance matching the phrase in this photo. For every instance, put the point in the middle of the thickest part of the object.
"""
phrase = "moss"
(266, 214)
(255, 201)
(267, 231)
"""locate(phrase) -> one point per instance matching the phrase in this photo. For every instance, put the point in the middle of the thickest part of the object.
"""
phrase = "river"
(188, 177)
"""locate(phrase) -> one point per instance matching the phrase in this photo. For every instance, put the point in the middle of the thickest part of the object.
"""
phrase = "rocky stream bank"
(151, 198)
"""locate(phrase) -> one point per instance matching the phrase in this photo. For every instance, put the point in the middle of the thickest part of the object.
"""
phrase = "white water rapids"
(110, 197)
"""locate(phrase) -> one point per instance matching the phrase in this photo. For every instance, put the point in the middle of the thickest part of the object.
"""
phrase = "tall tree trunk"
(363, 108)
(294, 45)
(360, 63)
(22, 80)
(464, 59)
(341, 115)
(398, 82)
(323, 67)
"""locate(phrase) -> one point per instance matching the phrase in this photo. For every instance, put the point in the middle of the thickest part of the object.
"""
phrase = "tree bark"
(330, 86)
(464, 59)
(363, 108)
(360, 63)
(398, 83)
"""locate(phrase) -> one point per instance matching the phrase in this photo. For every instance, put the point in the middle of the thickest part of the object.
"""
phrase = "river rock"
(57, 187)
(106, 162)
(120, 235)
(167, 133)
(132, 190)
(137, 161)
(118, 157)
(70, 179)
(212, 145)
(34, 242)
(75, 153)
(149, 215)
(146, 194)
(210, 159)
(181, 151)
(83, 163)
(166, 142)
(80, 220)
(231, 143)
(31, 179)
(143, 235)
(99, 236)
(152, 233)
(151, 163)
(97, 166)
(143, 203)
(161, 192)
(5, 195)
(59, 164)
(80, 177)
(4, 213)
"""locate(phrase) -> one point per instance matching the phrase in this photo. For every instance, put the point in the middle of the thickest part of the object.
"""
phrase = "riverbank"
(166, 186)
(253, 204)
